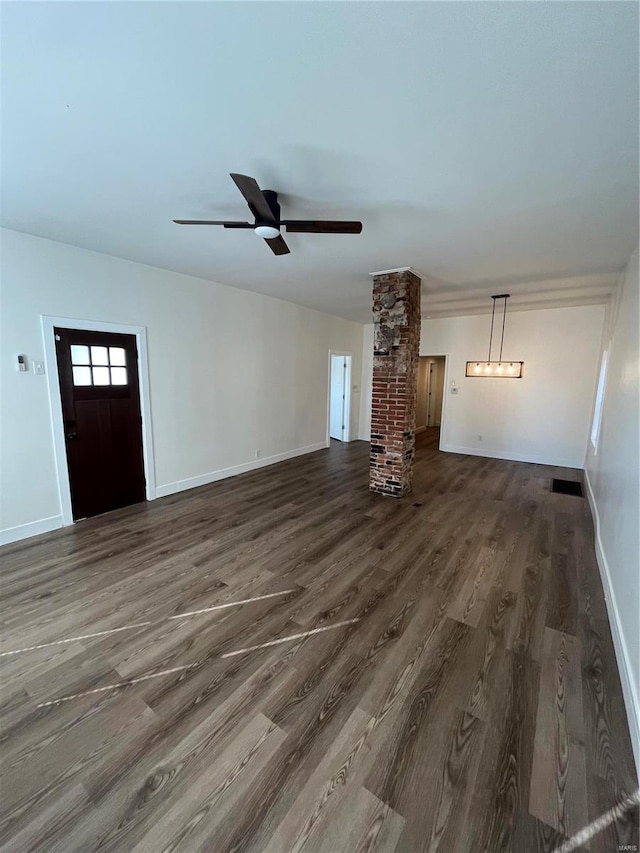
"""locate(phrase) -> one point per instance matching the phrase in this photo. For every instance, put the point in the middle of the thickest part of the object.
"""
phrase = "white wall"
(613, 478)
(230, 371)
(543, 417)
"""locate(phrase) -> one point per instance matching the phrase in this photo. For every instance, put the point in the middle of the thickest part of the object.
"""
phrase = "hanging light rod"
(497, 369)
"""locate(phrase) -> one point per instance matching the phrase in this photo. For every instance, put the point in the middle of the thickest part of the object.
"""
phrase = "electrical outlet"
(258, 452)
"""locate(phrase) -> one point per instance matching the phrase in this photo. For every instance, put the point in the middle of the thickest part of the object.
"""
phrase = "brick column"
(396, 346)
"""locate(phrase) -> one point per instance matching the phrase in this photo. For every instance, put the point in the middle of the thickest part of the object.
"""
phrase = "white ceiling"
(487, 145)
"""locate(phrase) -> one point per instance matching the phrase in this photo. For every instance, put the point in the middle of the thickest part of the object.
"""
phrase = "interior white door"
(338, 397)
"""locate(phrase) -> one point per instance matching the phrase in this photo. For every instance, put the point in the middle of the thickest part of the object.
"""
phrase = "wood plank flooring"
(284, 662)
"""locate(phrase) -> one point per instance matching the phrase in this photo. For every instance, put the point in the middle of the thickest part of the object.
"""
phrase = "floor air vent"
(567, 487)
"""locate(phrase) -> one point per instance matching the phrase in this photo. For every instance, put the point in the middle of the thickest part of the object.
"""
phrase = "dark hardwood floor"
(445, 678)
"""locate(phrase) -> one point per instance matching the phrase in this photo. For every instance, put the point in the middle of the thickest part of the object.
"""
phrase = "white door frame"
(347, 395)
(55, 401)
(445, 388)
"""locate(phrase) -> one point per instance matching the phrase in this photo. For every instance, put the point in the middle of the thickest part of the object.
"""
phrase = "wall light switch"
(38, 368)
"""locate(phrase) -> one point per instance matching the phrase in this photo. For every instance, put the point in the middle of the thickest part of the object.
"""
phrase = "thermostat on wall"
(22, 364)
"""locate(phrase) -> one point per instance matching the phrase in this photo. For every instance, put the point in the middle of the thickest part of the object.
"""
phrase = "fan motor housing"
(271, 197)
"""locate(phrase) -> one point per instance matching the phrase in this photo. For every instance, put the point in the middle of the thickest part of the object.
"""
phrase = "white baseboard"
(629, 687)
(46, 525)
(33, 528)
(511, 457)
(223, 473)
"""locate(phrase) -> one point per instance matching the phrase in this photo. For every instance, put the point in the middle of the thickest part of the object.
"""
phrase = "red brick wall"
(396, 346)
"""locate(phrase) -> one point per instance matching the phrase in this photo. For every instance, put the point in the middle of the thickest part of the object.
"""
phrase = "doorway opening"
(339, 396)
(430, 398)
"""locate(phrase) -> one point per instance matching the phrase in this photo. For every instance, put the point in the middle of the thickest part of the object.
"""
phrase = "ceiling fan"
(266, 212)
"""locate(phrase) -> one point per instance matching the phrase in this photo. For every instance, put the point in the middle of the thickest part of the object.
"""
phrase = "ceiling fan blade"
(304, 226)
(213, 222)
(253, 195)
(278, 246)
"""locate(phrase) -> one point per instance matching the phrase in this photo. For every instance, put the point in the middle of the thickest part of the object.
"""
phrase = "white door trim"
(55, 401)
(347, 395)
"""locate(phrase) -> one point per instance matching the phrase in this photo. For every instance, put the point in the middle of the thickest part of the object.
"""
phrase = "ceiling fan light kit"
(496, 369)
(267, 232)
(264, 206)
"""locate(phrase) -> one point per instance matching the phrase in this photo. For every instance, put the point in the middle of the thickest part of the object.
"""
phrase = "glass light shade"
(267, 231)
(495, 369)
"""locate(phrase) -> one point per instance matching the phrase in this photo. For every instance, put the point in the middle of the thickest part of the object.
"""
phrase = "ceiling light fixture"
(268, 232)
(497, 369)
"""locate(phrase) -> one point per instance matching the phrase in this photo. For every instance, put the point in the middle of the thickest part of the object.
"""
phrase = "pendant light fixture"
(496, 369)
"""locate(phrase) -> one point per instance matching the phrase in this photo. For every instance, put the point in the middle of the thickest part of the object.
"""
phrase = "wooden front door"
(98, 374)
